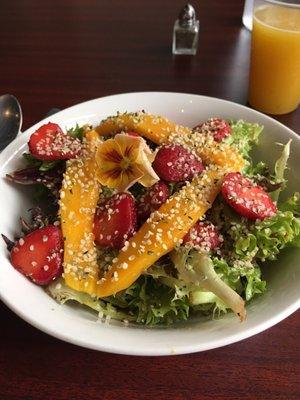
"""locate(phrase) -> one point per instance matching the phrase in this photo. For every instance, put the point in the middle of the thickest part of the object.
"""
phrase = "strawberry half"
(39, 255)
(205, 235)
(50, 143)
(218, 127)
(246, 198)
(132, 133)
(154, 197)
(115, 221)
(174, 163)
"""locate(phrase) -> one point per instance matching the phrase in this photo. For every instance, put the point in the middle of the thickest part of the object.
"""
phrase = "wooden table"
(59, 53)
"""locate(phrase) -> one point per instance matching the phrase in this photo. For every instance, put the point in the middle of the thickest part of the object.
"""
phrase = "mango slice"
(78, 199)
(162, 131)
(156, 128)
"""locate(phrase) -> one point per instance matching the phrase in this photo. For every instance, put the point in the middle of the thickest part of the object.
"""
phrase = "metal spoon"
(10, 119)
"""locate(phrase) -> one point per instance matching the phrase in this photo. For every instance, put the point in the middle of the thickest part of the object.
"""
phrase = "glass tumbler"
(274, 85)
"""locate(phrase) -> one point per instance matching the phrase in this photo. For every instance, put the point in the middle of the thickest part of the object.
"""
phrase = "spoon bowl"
(10, 119)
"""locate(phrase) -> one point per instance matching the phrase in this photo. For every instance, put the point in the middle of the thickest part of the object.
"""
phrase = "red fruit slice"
(205, 235)
(174, 163)
(50, 143)
(246, 198)
(39, 255)
(155, 196)
(132, 133)
(218, 127)
(115, 221)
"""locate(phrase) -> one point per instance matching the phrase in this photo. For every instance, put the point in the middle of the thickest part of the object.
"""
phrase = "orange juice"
(275, 59)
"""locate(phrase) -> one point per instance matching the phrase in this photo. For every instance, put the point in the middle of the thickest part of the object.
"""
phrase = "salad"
(149, 222)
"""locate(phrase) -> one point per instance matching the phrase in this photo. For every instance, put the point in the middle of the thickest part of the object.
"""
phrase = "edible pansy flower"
(124, 160)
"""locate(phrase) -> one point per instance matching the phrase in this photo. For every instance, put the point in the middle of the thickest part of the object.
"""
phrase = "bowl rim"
(119, 349)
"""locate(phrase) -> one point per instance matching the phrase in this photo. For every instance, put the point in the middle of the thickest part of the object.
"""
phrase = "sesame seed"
(124, 265)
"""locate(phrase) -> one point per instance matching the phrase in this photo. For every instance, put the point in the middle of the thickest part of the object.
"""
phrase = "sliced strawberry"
(154, 197)
(50, 143)
(205, 235)
(132, 133)
(115, 221)
(247, 198)
(174, 163)
(217, 126)
(38, 255)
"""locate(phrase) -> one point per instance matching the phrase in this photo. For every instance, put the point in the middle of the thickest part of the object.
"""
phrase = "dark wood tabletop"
(56, 53)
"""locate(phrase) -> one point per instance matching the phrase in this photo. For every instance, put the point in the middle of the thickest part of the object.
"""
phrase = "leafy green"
(259, 169)
(271, 182)
(280, 167)
(291, 204)
(251, 241)
(243, 277)
(41, 165)
(63, 293)
(137, 190)
(76, 132)
(158, 297)
(244, 136)
(47, 165)
(41, 193)
(264, 240)
(31, 160)
(260, 174)
(198, 268)
(151, 302)
(146, 301)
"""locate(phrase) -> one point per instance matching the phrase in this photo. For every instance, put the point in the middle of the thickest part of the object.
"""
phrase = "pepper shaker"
(185, 32)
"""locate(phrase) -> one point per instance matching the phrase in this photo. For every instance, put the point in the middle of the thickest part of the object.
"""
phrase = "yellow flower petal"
(110, 151)
(144, 160)
(129, 178)
(124, 160)
(129, 146)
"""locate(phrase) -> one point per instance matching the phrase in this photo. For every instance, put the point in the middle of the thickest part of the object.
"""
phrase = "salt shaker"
(185, 32)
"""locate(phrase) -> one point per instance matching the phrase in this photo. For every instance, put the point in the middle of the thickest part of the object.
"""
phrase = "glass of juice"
(274, 86)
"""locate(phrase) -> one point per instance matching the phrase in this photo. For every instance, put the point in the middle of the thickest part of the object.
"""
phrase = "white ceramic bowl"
(78, 325)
